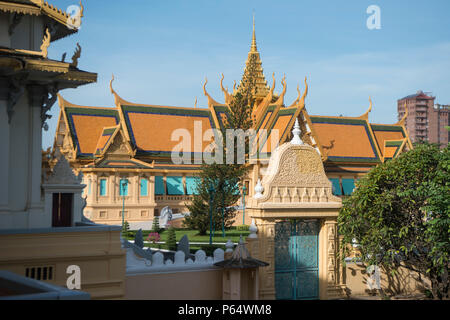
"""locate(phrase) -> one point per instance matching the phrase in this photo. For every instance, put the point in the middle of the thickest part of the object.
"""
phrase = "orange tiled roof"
(153, 129)
(388, 134)
(346, 139)
(86, 126)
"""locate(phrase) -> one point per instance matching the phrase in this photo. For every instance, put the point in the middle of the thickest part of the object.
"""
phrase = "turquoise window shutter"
(348, 185)
(123, 187)
(175, 186)
(159, 185)
(336, 186)
(191, 185)
(103, 187)
(144, 187)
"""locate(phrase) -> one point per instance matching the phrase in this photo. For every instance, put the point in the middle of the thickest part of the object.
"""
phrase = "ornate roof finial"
(110, 84)
(253, 47)
(366, 114)
(76, 56)
(45, 43)
(296, 132)
(228, 97)
(195, 103)
(259, 189)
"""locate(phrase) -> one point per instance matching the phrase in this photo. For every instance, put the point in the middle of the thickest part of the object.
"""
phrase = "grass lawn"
(193, 235)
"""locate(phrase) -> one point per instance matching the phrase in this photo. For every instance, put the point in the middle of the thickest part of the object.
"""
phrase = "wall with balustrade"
(180, 278)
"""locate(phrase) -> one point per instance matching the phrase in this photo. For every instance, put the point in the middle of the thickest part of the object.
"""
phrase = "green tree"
(155, 225)
(399, 214)
(126, 229)
(171, 241)
(226, 179)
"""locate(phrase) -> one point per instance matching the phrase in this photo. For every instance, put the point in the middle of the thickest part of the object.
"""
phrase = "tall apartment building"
(426, 121)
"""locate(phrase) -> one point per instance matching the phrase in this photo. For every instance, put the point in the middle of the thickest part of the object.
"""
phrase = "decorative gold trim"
(62, 105)
(211, 104)
(19, 8)
(298, 97)
(365, 116)
(78, 76)
(228, 96)
(280, 100)
(46, 65)
(211, 101)
(301, 103)
(56, 13)
(45, 43)
(76, 56)
(44, 46)
(259, 111)
(118, 130)
(117, 99)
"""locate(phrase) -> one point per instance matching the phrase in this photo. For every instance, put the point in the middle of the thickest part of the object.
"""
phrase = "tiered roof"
(64, 27)
(152, 132)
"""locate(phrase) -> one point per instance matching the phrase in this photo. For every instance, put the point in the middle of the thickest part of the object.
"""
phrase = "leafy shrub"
(126, 229)
(155, 225)
(242, 227)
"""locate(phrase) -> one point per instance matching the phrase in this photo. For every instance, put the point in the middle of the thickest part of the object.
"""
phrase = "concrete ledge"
(15, 287)
(79, 227)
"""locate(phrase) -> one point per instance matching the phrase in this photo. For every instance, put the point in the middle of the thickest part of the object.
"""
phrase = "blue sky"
(161, 51)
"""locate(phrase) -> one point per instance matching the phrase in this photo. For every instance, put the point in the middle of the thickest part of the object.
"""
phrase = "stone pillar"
(332, 246)
(4, 159)
(34, 203)
(266, 252)
(95, 188)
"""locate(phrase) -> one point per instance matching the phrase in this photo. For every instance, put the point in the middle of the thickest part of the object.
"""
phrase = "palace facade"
(124, 151)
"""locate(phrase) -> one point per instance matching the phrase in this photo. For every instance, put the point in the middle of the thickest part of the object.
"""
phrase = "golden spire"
(253, 47)
(253, 68)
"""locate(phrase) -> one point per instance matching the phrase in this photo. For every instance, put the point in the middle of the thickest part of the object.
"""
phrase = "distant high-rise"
(426, 121)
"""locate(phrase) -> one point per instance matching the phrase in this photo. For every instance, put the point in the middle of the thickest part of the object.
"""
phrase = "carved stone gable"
(63, 174)
(296, 174)
(119, 147)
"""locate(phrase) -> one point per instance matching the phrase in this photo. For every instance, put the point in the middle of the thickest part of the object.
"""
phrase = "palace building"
(124, 151)
(42, 229)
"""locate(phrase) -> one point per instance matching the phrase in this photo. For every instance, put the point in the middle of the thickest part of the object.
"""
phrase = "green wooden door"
(296, 260)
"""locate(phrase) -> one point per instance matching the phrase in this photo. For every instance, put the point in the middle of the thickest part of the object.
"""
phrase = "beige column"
(95, 189)
(266, 252)
(235, 284)
(135, 190)
(114, 182)
(332, 245)
(151, 188)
